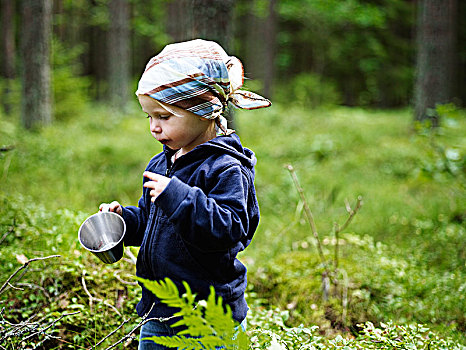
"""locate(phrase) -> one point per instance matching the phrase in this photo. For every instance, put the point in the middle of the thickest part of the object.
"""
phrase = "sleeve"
(214, 221)
(136, 221)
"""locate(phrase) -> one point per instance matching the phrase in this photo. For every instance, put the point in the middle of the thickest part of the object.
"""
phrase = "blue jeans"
(157, 328)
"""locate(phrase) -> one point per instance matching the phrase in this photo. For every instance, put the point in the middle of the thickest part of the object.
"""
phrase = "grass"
(404, 252)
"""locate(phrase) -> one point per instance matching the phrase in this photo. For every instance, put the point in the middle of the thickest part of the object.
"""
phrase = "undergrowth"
(404, 253)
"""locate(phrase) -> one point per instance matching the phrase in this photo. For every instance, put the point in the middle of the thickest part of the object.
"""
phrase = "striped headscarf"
(200, 77)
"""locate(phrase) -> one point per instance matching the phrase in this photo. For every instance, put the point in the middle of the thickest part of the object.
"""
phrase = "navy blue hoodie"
(194, 230)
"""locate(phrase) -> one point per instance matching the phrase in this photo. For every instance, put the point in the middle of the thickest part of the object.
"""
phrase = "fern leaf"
(211, 323)
(216, 316)
(195, 326)
(165, 290)
(177, 342)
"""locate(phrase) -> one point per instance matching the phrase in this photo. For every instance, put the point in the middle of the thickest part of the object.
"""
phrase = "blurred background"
(368, 100)
(373, 53)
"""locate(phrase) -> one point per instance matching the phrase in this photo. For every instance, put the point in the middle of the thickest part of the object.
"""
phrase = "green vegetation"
(401, 260)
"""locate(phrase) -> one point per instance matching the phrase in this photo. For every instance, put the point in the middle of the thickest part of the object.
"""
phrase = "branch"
(92, 298)
(51, 324)
(111, 333)
(10, 230)
(131, 255)
(338, 228)
(308, 212)
(25, 265)
(117, 276)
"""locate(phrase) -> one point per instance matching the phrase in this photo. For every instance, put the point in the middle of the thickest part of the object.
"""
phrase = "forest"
(360, 176)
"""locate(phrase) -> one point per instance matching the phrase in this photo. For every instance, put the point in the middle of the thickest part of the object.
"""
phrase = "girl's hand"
(157, 184)
(114, 206)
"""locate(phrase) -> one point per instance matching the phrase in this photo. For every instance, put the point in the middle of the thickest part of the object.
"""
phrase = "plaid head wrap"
(198, 76)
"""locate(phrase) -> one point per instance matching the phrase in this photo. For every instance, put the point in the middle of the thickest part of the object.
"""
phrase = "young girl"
(199, 208)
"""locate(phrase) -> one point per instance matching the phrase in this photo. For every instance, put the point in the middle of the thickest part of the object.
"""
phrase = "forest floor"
(401, 258)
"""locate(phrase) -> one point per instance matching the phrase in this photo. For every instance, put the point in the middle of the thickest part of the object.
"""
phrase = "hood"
(230, 145)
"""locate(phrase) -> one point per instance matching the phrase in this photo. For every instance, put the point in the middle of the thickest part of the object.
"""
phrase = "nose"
(155, 126)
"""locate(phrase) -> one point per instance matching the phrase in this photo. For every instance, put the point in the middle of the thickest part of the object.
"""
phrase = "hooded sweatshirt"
(206, 215)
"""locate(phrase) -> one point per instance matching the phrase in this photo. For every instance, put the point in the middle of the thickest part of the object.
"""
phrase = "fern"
(209, 324)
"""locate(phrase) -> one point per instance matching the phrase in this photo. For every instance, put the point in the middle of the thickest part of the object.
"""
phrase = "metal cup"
(102, 234)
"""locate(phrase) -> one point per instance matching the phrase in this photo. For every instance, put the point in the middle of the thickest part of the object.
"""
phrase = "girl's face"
(176, 127)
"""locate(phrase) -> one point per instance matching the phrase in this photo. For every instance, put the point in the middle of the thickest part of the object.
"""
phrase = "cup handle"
(105, 208)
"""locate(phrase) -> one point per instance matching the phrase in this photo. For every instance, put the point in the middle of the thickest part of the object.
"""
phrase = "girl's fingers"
(151, 176)
(150, 184)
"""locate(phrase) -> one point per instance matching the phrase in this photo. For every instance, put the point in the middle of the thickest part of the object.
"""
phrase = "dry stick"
(143, 321)
(25, 265)
(344, 301)
(117, 276)
(310, 219)
(11, 230)
(92, 298)
(338, 229)
(308, 212)
(132, 331)
(111, 333)
(131, 255)
(51, 324)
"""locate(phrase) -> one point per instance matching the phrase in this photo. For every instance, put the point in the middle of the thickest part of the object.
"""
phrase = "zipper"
(151, 237)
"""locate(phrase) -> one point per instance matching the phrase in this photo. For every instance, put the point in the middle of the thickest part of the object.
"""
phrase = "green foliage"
(47, 294)
(442, 159)
(309, 90)
(207, 324)
(404, 258)
(269, 331)
(351, 43)
(391, 336)
(70, 90)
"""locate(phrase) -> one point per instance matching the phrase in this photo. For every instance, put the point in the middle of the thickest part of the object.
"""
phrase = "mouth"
(164, 141)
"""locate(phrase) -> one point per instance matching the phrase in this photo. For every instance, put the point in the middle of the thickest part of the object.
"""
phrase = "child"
(198, 209)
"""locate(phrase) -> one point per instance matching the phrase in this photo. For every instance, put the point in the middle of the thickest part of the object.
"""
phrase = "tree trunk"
(213, 20)
(270, 38)
(35, 52)
(178, 20)
(436, 34)
(9, 50)
(119, 65)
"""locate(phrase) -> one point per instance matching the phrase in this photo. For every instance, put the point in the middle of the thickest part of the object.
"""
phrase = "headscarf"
(200, 77)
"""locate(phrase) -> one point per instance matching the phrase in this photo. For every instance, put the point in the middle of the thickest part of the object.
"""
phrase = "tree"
(119, 53)
(213, 20)
(36, 31)
(435, 66)
(258, 35)
(8, 48)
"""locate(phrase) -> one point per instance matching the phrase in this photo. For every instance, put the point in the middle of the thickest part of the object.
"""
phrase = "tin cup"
(102, 234)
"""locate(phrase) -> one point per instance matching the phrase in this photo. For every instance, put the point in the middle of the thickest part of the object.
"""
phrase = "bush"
(308, 90)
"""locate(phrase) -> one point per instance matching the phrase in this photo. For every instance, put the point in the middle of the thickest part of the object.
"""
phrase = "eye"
(148, 116)
(166, 116)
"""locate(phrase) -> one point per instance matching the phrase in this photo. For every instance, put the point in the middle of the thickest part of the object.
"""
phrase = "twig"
(11, 230)
(338, 229)
(111, 333)
(344, 297)
(143, 322)
(117, 276)
(92, 298)
(308, 212)
(52, 323)
(131, 256)
(25, 265)
(34, 286)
